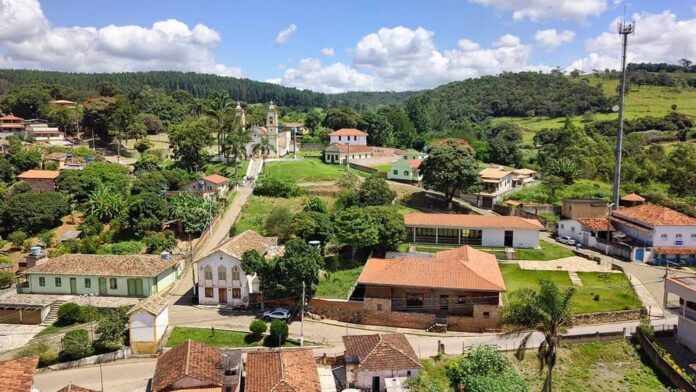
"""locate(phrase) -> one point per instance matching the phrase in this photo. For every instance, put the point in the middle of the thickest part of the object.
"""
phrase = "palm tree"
(264, 147)
(235, 145)
(220, 112)
(547, 311)
(196, 108)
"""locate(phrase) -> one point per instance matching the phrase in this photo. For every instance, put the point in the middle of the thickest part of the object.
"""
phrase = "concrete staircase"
(439, 325)
(53, 313)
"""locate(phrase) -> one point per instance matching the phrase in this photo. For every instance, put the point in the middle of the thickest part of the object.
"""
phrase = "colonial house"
(147, 323)
(112, 275)
(460, 229)
(340, 153)
(17, 375)
(413, 155)
(211, 187)
(498, 182)
(586, 231)
(373, 361)
(193, 366)
(221, 280)
(40, 180)
(282, 370)
(685, 288)
(348, 136)
(584, 208)
(656, 234)
(280, 138)
(405, 170)
(463, 282)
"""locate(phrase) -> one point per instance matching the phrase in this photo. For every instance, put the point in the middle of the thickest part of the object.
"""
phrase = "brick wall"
(11, 316)
(346, 311)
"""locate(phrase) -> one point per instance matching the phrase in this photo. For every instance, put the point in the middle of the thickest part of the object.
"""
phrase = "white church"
(279, 136)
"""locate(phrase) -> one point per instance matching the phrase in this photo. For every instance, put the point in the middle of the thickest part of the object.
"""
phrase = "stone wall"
(346, 311)
(607, 317)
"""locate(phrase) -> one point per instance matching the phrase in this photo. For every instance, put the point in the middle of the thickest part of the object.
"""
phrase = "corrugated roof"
(281, 371)
(455, 221)
(654, 215)
(105, 265)
(348, 132)
(381, 352)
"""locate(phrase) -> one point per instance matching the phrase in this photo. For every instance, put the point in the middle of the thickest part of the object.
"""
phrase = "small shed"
(148, 320)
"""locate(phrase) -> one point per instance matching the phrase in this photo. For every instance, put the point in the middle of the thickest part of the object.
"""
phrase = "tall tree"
(450, 168)
(263, 147)
(338, 118)
(355, 228)
(219, 112)
(378, 128)
(236, 140)
(189, 139)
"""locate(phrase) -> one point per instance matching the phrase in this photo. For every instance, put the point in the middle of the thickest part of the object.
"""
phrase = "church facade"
(279, 137)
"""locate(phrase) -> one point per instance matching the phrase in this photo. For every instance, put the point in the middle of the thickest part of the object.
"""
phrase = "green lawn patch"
(548, 251)
(303, 170)
(217, 337)
(53, 328)
(227, 169)
(382, 168)
(582, 189)
(256, 210)
(337, 284)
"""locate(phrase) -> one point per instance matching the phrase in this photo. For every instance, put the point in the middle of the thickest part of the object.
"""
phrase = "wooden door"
(73, 285)
(102, 286)
(222, 296)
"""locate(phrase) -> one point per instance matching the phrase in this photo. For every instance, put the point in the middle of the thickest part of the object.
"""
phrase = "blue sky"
(376, 45)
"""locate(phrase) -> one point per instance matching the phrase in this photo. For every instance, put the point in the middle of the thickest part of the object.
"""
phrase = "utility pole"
(302, 316)
(624, 30)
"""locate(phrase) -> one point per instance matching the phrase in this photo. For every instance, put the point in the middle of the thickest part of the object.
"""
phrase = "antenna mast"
(624, 29)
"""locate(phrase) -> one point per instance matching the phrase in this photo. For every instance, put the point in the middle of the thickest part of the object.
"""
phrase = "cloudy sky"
(346, 45)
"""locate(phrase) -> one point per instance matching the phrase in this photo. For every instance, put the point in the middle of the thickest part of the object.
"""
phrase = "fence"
(665, 369)
(362, 168)
(93, 360)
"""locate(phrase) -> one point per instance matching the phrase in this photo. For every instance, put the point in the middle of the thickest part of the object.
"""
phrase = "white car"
(276, 314)
(565, 240)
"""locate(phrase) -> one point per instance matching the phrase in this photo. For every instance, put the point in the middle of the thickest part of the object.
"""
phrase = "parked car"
(564, 239)
(276, 314)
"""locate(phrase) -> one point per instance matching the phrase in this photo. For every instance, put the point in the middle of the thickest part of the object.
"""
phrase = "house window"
(379, 307)
(236, 293)
(572, 229)
(209, 292)
(486, 315)
(208, 273)
(408, 373)
(42, 281)
(113, 283)
(561, 225)
(235, 273)
(59, 283)
(88, 283)
(693, 236)
(679, 236)
(355, 138)
(222, 273)
(405, 172)
(663, 236)
(396, 172)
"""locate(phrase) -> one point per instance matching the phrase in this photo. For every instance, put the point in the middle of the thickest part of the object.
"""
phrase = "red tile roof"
(414, 163)
(17, 375)
(633, 197)
(596, 224)
(39, 174)
(356, 148)
(675, 250)
(381, 352)
(281, 371)
(191, 360)
(10, 117)
(462, 268)
(455, 221)
(247, 240)
(348, 132)
(216, 179)
(654, 215)
(75, 388)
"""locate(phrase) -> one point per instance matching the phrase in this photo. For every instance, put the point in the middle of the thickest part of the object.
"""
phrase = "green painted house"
(104, 275)
(405, 170)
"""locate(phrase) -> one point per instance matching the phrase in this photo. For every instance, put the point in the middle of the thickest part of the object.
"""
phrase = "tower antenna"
(624, 29)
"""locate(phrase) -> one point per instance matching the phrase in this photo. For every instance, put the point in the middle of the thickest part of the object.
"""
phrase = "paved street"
(122, 376)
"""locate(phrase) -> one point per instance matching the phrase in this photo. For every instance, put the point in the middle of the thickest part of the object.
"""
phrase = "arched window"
(222, 273)
(208, 273)
(235, 273)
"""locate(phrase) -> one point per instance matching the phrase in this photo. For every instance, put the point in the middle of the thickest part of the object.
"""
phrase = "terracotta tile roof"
(10, 117)
(248, 240)
(17, 375)
(377, 353)
(675, 250)
(75, 388)
(633, 197)
(471, 221)
(524, 172)
(414, 163)
(216, 179)
(39, 174)
(654, 215)
(348, 132)
(494, 173)
(189, 359)
(152, 304)
(356, 148)
(281, 371)
(105, 265)
(462, 268)
(596, 224)
(56, 156)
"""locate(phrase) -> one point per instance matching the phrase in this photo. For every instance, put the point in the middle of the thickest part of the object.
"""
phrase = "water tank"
(35, 250)
(166, 255)
(315, 244)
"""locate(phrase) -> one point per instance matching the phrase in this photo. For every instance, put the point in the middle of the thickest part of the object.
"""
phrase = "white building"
(280, 138)
(373, 361)
(460, 229)
(586, 231)
(498, 182)
(348, 136)
(685, 288)
(221, 280)
(211, 187)
(148, 320)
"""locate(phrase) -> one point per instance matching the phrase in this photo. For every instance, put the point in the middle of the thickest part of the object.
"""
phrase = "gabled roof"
(524, 172)
(39, 175)
(281, 371)
(596, 224)
(75, 388)
(462, 268)
(455, 221)
(10, 117)
(189, 359)
(152, 304)
(345, 148)
(633, 197)
(216, 179)
(348, 132)
(248, 240)
(414, 163)
(105, 265)
(17, 375)
(496, 173)
(654, 215)
(376, 353)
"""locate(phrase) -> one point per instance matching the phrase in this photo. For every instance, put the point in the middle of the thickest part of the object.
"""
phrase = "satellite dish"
(615, 108)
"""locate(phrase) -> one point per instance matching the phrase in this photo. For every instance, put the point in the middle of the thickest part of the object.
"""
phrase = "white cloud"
(329, 52)
(284, 35)
(400, 58)
(166, 45)
(536, 10)
(552, 38)
(658, 38)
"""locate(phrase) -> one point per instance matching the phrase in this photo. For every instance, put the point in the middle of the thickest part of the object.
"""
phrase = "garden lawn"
(606, 366)
(613, 290)
(256, 210)
(220, 338)
(303, 170)
(337, 284)
(548, 251)
(382, 168)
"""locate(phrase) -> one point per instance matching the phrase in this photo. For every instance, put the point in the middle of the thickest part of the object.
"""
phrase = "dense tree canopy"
(450, 168)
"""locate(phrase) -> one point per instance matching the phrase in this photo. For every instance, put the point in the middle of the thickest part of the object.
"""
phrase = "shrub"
(5, 260)
(69, 313)
(646, 328)
(112, 331)
(258, 328)
(46, 237)
(596, 297)
(47, 355)
(273, 187)
(76, 345)
(314, 203)
(91, 225)
(278, 333)
(89, 313)
(6, 278)
(17, 238)
(156, 242)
